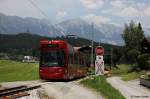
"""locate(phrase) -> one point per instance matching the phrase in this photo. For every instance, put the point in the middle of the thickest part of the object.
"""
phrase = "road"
(131, 89)
(59, 90)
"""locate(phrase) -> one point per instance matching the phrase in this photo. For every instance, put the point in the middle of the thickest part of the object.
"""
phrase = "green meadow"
(18, 71)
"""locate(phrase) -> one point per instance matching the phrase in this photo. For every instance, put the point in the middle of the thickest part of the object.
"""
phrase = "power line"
(39, 9)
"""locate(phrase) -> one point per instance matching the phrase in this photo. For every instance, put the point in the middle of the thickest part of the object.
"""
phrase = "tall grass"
(100, 84)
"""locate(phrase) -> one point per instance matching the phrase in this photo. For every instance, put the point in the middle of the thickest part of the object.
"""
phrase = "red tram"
(59, 60)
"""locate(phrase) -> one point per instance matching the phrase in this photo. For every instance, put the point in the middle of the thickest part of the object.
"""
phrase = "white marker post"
(99, 62)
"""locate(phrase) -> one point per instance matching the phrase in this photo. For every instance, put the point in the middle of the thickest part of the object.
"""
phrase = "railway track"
(16, 92)
(22, 90)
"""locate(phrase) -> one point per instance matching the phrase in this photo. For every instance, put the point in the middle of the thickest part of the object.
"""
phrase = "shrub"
(144, 61)
(132, 55)
(134, 67)
(146, 76)
(4, 56)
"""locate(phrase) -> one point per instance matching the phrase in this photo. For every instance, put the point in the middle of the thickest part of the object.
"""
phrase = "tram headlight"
(40, 70)
(60, 70)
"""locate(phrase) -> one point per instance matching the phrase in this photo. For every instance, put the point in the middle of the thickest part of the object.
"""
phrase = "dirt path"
(70, 90)
(131, 89)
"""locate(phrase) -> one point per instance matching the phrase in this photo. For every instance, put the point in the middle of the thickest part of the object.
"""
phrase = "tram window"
(52, 58)
(61, 57)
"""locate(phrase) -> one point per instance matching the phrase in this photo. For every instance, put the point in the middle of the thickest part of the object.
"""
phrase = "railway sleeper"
(14, 96)
(8, 92)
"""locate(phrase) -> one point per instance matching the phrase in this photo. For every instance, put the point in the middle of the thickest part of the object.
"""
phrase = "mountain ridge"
(103, 32)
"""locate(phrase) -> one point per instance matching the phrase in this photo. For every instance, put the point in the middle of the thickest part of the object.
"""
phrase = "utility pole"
(99, 42)
(111, 51)
(92, 43)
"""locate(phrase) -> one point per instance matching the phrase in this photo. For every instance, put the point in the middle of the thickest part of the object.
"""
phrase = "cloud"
(140, 5)
(21, 8)
(129, 12)
(128, 9)
(106, 11)
(119, 11)
(92, 4)
(111, 42)
(117, 4)
(147, 11)
(62, 14)
(134, 12)
(96, 19)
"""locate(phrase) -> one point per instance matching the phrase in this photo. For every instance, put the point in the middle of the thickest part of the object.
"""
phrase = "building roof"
(83, 49)
(76, 48)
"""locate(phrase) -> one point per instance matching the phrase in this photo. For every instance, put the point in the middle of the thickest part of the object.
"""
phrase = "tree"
(144, 61)
(140, 34)
(133, 35)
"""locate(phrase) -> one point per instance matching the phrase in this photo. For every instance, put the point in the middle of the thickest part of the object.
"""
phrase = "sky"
(116, 12)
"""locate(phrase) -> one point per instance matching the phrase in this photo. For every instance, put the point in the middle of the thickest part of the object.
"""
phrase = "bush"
(134, 67)
(144, 61)
(8, 56)
(4, 56)
(146, 76)
(91, 71)
(132, 55)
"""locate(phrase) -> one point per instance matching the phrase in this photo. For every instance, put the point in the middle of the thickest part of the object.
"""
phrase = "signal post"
(99, 62)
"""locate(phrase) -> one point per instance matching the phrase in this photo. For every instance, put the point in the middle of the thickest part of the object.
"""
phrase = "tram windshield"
(52, 58)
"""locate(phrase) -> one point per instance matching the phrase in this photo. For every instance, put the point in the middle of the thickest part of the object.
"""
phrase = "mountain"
(101, 32)
(14, 25)
(107, 33)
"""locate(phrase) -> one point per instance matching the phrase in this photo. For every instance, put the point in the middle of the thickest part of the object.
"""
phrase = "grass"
(123, 71)
(100, 84)
(18, 71)
(130, 76)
